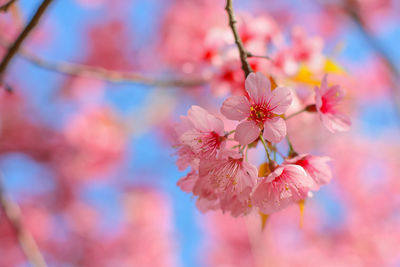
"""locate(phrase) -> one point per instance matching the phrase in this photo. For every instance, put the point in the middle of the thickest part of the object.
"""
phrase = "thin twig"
(6, 6)
(103, 74)
(265, 147)
(22, 36)
(295, 114)
(249, 54)
(26, 241)
(242, 51)
(292, 152)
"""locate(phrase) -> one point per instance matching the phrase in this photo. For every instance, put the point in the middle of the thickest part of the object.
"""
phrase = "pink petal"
(280, 100)
(235, 206)
(229, 153)
(212, 176)
(318, 98)
(236, 108)
(215, 124)
(187, 183)
(324, 84)
(335, 122)
(183, 126)
(315, 166)
(298, 176)
(247, 132)
(335, 94)
(319, 170)
(258, 87)
(203, 188)
(204, 121)
(274, 129)
(287, 186)
(185, 157)
(205, 205)
(198, 116)
(278, 171)
(245, 180)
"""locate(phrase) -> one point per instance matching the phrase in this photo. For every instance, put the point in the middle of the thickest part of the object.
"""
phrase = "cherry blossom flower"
(225, 182)
(207, 134)
(284, 63)
(229, 79)
(187, 183)
(230, 172)
(260, 111)
(200, 135)
(235, 205)
(263, 29)
(316, 167)
(307, 49)
(286, 185)
(327, 99)
(99, 138)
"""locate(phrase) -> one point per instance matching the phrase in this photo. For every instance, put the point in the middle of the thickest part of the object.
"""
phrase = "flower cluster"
(214, 54)
(221, 176)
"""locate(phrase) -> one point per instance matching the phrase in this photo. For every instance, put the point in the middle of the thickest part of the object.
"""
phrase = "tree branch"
(25, 239)
(22, 36)
(249, 54)
(6, 6)
(373, 42)
(353, 14)
(103, 74)
(242, 51)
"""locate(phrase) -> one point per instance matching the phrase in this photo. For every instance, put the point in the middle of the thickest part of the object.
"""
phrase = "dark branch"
(25, 239)
(353, 14)
(13, 49)
(374, 43)
(6, 6)
(242, 51)
(249, 54)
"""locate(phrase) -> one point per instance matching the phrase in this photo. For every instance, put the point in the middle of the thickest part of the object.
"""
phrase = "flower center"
(225, 176)
(326, 106)
(210, 143)
(259, 113)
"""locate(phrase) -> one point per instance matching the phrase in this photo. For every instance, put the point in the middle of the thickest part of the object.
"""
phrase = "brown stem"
(25, 239)
(242, 51)
(295, 114)
(249, 54)
(103, 74)
(6, 6)
(22, 36)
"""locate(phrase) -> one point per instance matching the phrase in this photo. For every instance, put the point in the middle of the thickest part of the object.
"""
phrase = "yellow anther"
(263, 170)
(286, 187)
(301, 206)
(264, 219)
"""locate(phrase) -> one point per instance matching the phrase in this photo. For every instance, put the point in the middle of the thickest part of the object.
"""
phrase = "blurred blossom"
(296, 164)
(98, 139)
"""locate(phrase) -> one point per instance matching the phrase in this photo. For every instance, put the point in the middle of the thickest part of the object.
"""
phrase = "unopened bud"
(311, 108)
